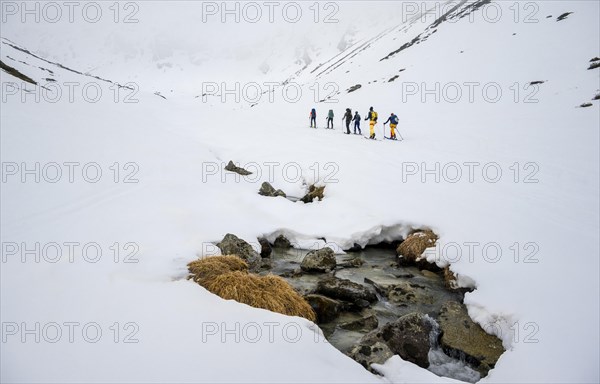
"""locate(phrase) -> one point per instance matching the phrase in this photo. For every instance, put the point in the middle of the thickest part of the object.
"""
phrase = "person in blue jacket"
(393, 120)
(357, 123)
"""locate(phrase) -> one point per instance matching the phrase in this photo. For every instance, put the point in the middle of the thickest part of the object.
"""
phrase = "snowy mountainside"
(170, 51)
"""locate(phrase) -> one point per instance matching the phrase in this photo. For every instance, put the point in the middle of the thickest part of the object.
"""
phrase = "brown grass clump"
(268, 292)
(207, 269)
(415, 244)
(314, 192)
(450, 279)
(228, 277)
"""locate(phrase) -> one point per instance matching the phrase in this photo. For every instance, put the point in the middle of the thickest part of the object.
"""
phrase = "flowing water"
(379, 266)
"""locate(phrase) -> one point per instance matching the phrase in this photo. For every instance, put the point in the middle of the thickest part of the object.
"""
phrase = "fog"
(88, 33)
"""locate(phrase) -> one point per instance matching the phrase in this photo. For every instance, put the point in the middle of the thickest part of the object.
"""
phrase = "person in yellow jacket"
(372, 117)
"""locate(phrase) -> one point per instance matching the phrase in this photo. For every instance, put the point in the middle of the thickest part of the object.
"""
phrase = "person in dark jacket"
(313, 118)
(348, 117)
(357, 123)
(393, 120)
(330, 118)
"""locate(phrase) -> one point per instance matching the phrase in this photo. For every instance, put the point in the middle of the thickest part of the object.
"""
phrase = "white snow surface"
(544, 306)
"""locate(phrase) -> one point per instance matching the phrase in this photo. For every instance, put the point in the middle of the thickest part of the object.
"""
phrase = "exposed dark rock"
(12, 71)
(536, 82)
(322, 260)
(232, 245)
(282, 242)
(401, 291)
(594, 65)
(346, 290)
(297, 272)
(326, 308)
(233, 168)
(354, 262)
(355, 248)
(354, 88)
(265, 247)
(563, 16)
(267, 189)
(367, 322)
(585, 105)
(409, 337)
(393, 78)
(377, 353)
(463, 338)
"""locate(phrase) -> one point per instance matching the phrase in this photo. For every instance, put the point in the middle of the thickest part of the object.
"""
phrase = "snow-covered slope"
(542, 302)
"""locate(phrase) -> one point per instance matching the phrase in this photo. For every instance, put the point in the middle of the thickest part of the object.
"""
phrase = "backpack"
(394, 119)
(313, 112)
(374, 116)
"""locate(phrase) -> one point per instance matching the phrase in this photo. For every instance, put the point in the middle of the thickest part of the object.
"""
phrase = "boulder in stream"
(378, 353)
(409, 337)
(265, 247)
(326, 308)
(354, 262)
(322, 260)
(367, 321)
(233, 245)
(282, 242)
(463, 338)
(398, 291)
(346, 290)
